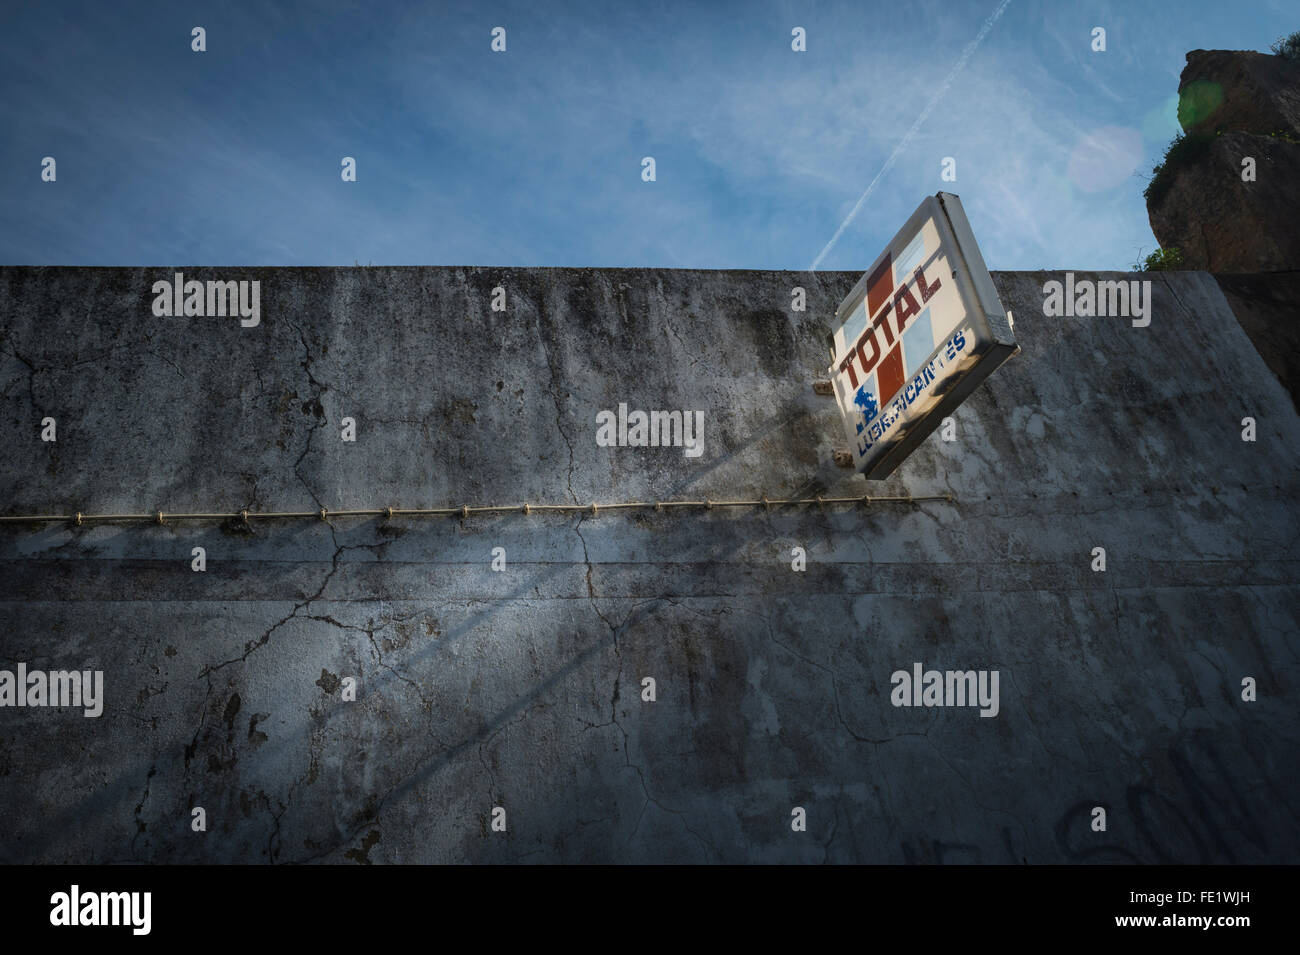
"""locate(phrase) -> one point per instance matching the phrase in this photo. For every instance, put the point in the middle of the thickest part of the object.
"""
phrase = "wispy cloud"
(533, 157)
(903, 143)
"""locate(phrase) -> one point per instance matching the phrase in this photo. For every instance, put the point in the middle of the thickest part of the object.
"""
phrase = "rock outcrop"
(1268, 308)
(1239, 90)
(1239, 110)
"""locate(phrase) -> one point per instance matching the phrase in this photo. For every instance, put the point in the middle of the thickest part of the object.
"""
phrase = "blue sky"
(533, 156)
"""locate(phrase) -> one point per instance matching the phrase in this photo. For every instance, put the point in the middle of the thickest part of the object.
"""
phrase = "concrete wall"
(521, 689)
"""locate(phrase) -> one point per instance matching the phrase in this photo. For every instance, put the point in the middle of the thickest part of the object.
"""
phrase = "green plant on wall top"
(1161, 260)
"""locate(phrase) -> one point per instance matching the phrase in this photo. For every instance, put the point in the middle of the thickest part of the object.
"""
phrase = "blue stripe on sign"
(918, 341)
(909, 259)
(855, 324)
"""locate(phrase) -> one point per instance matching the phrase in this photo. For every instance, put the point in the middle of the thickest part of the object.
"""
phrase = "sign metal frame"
(988, 324)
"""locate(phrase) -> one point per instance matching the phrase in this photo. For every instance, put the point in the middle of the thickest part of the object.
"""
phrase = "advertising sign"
(918, 333)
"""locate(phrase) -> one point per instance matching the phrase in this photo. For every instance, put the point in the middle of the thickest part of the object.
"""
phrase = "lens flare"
(1161, 124)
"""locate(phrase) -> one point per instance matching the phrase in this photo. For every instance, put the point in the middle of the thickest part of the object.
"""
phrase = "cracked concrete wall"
(521, 688)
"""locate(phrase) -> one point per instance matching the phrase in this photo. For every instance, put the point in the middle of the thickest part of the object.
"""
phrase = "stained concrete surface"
(522, 688)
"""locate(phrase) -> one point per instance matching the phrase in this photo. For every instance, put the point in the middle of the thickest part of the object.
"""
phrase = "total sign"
(918, 333)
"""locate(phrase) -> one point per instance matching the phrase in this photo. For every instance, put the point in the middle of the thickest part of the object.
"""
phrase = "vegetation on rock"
(1161, 260)
(1287, 47)
(1185, 150)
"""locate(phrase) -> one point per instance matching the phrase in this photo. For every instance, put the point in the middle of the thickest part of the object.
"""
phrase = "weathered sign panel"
(918, 333)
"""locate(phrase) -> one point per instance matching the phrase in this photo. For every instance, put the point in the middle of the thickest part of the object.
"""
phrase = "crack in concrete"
(591, 588)
(552, 390)
(317, 390)
(32, 371)
(253, 645)
(140, 825)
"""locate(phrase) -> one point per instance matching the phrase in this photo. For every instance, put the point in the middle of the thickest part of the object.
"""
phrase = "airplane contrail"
(943, 88)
